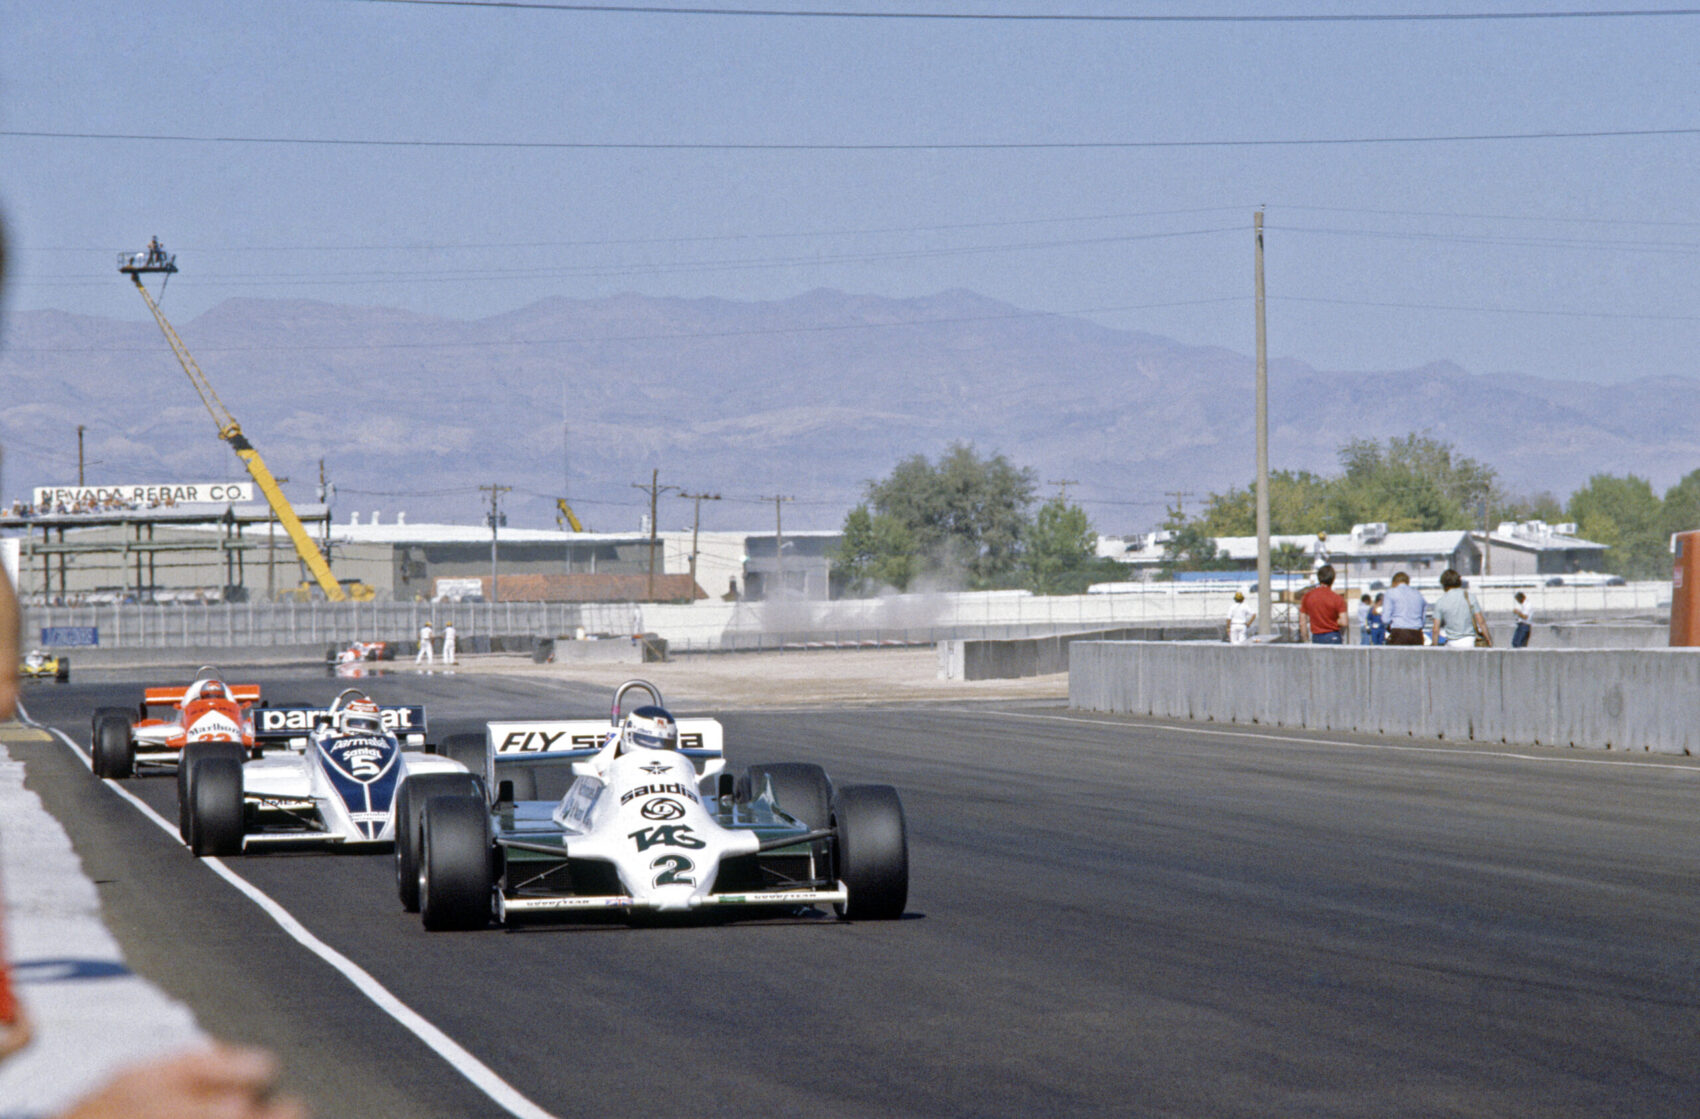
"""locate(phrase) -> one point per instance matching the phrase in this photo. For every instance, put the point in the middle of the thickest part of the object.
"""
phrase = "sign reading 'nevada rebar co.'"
(182, 493)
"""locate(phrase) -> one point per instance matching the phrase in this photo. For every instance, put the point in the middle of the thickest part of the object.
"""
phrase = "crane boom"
(231, 432)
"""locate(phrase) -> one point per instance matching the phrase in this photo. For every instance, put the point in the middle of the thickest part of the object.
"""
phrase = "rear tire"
(455, 883)
(215, 807)
(63, 673)
(873, 852)
(114, 751)
(800, 790)
(467, 749)
(410, 801)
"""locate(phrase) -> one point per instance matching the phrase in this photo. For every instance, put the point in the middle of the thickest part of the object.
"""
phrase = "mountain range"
(805, 398)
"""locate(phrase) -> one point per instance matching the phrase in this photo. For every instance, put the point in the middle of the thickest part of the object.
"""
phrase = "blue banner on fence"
(70, 635)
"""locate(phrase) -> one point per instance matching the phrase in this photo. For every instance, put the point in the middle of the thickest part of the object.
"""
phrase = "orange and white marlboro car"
(207, 710)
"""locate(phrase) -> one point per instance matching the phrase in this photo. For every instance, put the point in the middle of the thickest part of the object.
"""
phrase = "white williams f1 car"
(336, 784)
(642, 828)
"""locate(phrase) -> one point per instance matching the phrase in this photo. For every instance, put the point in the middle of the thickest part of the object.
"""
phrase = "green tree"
(877, 551)
(1190, 547)
(1414, 484)
(1061, 555)
(1298, 503)
(1627, 516)
(965, 515)
(1682, 505)
(1289, 557)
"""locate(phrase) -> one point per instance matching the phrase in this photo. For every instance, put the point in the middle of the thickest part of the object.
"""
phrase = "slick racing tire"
(467, 749)
(410, 800)
(193, 753)
(800, 790)
(114, 752)
(454, 880)
(873, 852)
(63, 673)
(215, 807)
(103, 713)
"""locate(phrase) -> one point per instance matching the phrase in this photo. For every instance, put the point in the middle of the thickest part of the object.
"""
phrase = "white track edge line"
(1450, 751)
(480, 1075)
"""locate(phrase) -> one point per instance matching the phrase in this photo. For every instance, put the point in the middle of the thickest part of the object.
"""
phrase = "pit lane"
(1105, 918)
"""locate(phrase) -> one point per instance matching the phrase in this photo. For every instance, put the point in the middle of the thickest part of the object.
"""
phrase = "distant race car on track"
(642, 828)
(206, 710)
(39, 664)
(358, 652)
(334, 781)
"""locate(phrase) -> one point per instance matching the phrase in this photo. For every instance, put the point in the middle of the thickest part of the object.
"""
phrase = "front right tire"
(873, 852)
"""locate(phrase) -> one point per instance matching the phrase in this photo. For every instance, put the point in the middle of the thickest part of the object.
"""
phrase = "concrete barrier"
(1012, 658)
(1646, 700)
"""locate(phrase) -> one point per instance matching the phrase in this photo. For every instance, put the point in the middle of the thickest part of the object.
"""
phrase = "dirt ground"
(829, 677)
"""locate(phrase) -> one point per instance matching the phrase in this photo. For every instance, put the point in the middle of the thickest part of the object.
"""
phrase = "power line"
(693, 239)
(1044, 17)
(937, 146)
(276, 278)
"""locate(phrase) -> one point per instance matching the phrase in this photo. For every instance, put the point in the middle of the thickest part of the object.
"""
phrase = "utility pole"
(656, 489)
(495, 518)
(79, 456)
(696, 525)
(1265, 573)
(1180, 497)
(1062, 485)
(778, 542)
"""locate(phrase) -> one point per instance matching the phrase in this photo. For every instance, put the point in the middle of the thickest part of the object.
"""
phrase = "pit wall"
(1638, 700)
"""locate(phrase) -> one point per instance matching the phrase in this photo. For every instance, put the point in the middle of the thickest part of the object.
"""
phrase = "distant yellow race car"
(39, 664)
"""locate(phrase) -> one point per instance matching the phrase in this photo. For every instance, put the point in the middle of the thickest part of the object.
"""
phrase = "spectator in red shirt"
(1322, 613)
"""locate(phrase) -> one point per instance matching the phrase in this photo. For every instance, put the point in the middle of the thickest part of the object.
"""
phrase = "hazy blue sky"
(1382, 255)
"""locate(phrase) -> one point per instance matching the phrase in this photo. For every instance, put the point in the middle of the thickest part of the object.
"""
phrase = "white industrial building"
(1370, 553)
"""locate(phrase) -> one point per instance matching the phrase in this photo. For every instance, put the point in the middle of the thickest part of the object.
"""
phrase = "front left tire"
(215, 807)
(455, 886)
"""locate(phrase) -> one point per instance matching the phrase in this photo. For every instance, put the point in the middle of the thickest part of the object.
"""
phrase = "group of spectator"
(1400, 616)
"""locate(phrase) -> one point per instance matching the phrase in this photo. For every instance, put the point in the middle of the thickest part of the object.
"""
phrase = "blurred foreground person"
(217, 1083)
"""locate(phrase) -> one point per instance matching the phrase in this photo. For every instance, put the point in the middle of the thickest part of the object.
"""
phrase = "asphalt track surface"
(1106, 917)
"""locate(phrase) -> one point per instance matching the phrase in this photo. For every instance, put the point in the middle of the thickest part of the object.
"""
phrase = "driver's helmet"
(35, 658)
(212, 689)
(361, 716)
(649, 728)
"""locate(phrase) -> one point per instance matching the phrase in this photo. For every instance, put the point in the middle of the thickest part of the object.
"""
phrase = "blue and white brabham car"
(643, 828)
(334, 781)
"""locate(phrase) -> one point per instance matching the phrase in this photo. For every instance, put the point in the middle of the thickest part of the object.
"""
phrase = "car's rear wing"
(173, 697)
(289, 726)
(570, 740)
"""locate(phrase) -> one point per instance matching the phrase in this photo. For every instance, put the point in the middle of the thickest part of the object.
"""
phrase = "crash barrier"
(1043, 656)
(1617, 700)
(641, 649)
(715, 626)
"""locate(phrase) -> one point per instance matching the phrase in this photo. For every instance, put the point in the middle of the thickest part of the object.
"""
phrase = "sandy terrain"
(821, 677)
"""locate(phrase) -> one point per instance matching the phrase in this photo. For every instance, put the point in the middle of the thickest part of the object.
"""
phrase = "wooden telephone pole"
(696, 527)
(656, 489)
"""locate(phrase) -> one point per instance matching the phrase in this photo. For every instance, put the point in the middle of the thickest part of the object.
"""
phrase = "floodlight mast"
(156, 261)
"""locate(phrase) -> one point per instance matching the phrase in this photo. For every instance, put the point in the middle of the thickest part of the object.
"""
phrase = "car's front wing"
(506, 905)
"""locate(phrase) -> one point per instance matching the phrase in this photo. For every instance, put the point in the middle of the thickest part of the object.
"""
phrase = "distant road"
(1107, 918)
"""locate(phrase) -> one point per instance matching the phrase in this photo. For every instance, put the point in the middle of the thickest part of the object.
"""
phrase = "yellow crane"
(157, 261)
(568, 515)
